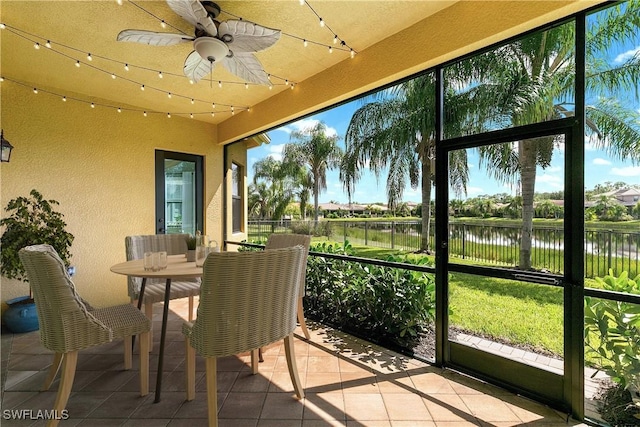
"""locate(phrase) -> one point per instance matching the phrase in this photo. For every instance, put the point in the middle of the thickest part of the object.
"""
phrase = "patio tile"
(242, 405)
(347, 382)
(326, 406)
(489, 408)
(406, 407)
(282, 406)
(365, 407)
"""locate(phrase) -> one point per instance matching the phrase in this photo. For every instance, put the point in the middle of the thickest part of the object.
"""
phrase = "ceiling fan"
(230, 43)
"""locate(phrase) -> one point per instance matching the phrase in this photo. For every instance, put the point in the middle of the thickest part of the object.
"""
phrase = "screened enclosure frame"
(571, 394)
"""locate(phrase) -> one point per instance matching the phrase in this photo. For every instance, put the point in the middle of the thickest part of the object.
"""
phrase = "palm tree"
(271, 191)
(317, 152)
(529, 81)
(395, 130)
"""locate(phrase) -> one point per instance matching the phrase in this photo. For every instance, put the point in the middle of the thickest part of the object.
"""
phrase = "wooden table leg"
(165, 315)
(140, 297)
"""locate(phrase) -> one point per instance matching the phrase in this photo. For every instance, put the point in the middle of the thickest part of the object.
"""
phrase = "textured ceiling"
(76, 28)
(393, 39)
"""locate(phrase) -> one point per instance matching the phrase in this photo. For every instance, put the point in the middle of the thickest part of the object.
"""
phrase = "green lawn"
(517, 312)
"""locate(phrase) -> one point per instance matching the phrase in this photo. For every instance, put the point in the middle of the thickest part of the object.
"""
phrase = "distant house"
(627, 196)
(347, 209)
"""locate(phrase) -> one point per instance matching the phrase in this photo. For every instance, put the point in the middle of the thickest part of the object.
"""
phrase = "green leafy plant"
(191, 242)
(395, 305)
(31, 221)
(612, 336)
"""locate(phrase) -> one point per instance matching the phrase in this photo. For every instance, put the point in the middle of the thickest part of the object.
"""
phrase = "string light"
(169, 95)
(293, 85)
(335, 39)
(246, 85)
(193, 101)
(321, 22)
(36, 45)
(89, 56)
(270, 87)
(353, 53)
(213, 105)
(330, 49)
(119, 2)
(115, 107)
(301, 2)
(163, 24)
(305, 43)
(191, 115)
(142, 87)
(2, 26)
(168, 115)
(213, 114)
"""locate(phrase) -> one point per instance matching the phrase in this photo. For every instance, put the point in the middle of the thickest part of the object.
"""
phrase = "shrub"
(395, 305)
(322, 228)
(612, 337)
(31, 221)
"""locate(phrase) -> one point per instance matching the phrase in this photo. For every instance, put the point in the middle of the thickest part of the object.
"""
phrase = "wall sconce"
(6, 148)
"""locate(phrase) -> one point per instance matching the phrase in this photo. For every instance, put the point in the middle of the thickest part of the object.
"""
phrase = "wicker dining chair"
(248, 300)
(67, 326)
(287, 240)
(173, 244)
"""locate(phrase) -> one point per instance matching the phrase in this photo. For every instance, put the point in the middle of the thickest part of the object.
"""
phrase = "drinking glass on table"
(148, 261)
(162, 260)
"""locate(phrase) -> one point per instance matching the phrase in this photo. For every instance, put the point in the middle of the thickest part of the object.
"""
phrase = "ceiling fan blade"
(247, 67)
(194, 12)
(247, 36)
(152, 38)
(196, 68)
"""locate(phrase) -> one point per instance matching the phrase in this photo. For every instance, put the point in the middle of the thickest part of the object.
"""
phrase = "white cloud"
(305, 124)
(626, 171)
(284, 129)
(601, 162)
(475, 190)
(551, 180)
(627, 55)
(275, 151)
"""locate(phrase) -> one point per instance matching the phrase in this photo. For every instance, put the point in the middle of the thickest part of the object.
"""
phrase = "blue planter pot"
(20, 316)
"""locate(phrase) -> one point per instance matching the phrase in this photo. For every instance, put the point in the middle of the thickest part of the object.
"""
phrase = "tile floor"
(348, 382)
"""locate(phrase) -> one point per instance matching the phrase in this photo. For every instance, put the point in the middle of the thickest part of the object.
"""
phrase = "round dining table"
(177, 268)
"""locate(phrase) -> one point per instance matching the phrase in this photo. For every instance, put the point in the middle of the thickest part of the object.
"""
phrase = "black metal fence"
(494, 244)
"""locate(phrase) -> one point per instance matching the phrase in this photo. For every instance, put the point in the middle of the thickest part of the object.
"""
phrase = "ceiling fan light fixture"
(210, 48)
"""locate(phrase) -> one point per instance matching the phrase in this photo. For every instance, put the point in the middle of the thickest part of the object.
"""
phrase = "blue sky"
(599, 167)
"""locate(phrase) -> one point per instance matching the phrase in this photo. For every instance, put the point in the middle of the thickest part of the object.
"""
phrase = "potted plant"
(31, 221)
(192, 242)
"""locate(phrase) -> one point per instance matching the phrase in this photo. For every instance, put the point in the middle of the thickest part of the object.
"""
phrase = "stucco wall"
(236, 153)
(99, 164)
